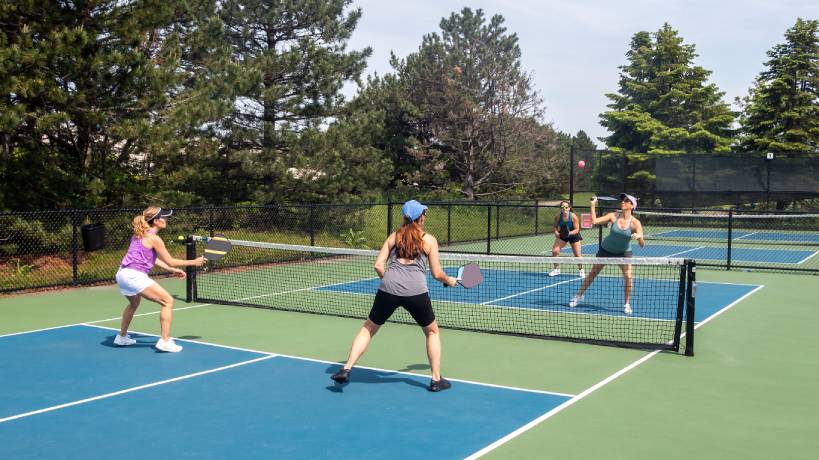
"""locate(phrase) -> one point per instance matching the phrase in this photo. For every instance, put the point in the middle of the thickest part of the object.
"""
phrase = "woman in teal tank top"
(625, 228)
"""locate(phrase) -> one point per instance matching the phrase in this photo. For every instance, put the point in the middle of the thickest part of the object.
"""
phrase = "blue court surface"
(710, 253)
(743, 235)
(68, 393)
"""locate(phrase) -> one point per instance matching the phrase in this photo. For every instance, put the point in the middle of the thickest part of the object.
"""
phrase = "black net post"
(681, 302)
(689, 307)
(730, 238)
(489, 229)
(190, 254)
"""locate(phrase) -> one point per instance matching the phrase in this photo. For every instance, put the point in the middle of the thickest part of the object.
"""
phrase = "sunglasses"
(564, 206)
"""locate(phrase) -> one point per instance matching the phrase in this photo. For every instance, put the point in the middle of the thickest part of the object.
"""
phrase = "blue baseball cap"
(412, 209)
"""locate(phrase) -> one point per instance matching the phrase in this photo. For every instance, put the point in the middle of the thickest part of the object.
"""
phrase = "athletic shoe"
(168, 346)
(554, 272)
(342, 376)
(123, 341)
(627, 308)
(439, 385)
(575, 300)
(581, 273)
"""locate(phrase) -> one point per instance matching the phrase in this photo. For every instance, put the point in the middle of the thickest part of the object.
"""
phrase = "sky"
(573, 48)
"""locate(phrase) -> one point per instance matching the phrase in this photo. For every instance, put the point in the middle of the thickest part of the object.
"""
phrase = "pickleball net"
(517, 295)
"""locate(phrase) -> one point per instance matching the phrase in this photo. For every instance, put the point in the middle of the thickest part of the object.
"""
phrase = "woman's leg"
(128, 314)
(361, 342)
(158, 294)
(596, 269)
(434, 349)
(628, 281)
(559, 244)
(577, 252)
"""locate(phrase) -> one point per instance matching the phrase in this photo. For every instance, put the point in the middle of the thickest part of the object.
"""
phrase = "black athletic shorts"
(571, 239)
(603, 253)
(419, 306)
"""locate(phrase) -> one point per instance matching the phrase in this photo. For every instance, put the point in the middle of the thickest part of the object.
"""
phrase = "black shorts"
(571, 239)
(603, 253)
(419, 306)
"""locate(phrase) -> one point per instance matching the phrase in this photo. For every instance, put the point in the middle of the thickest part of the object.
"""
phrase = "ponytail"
(409, 240)
(141, 225)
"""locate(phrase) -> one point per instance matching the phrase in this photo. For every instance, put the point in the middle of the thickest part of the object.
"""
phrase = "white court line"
(746, 235)
(683, 252)
(592, 388)
(531, 290)
(301, 358)
(807, 258)
(40, 330)
(132, 389)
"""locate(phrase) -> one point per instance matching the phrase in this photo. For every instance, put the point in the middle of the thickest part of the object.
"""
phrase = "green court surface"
(749, 393)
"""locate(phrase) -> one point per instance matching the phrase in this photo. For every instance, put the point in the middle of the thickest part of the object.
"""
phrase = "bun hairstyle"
(409, 239)
(141, 225)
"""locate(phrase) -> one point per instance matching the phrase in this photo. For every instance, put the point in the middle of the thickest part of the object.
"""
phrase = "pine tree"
(294, 62)
(664, 103)
(781, 111)
(81, 83)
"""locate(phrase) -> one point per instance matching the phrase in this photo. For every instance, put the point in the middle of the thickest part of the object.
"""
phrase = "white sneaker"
(554, 272)
(575, 300)
(627, 308)
(123, 341)
(581, 273)
(168, 346)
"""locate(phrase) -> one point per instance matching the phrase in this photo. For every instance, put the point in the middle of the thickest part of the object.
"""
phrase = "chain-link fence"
(754, 181)
(43, 249)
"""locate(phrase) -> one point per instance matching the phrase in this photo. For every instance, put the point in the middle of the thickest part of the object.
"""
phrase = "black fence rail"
(44, 249)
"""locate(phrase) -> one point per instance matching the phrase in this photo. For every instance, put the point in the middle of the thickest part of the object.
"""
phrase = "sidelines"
(593, 388)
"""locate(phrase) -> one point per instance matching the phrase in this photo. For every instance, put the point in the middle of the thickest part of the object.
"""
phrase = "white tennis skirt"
(131, 282)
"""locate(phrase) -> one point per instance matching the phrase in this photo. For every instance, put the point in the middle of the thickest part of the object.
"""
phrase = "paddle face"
(217, 247)
(607, 198)
(469, 276)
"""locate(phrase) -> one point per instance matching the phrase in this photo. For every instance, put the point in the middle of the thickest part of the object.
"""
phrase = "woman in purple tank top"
(145, 250)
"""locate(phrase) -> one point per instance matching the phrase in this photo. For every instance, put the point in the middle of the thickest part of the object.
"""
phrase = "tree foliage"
(664, 103)
(781, 111)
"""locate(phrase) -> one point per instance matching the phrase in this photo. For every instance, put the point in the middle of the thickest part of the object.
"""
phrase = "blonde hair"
(409, 239)
(141, 225)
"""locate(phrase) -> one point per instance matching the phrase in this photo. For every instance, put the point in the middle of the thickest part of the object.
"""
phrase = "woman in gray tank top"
(625, 228)
(402, 266)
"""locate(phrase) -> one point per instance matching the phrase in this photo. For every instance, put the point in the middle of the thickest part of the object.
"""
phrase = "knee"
(555, 251)
(166, 301)
(431, 330)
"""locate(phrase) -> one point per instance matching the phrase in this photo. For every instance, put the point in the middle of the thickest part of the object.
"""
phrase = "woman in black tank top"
(404, 284)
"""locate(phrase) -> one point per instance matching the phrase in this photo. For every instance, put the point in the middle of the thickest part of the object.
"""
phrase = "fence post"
(448, 224)
(571, 177)
(497, 220)
(75, 247)
(190, 254)
(389, 217)
(537, 211)
(312, 225)
(489, 229)
(730, 238)
(210, 221)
